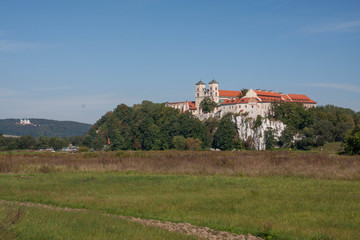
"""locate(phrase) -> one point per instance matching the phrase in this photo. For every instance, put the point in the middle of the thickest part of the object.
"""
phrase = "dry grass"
(245, 163)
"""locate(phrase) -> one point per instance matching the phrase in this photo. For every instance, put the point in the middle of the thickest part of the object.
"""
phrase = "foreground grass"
(44, 224)
(284, 208)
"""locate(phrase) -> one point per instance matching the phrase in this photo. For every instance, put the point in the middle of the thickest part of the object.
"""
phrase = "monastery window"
(197, 89)
(198, 94)
(215, 93)
(210, 88)
(215, 88)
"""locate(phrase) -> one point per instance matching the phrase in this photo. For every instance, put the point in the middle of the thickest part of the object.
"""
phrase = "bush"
(193, 144)
(83, 149)
(179, 142)
(352, 141)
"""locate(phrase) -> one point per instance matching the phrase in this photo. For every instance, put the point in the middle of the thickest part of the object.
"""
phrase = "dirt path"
(185, 228)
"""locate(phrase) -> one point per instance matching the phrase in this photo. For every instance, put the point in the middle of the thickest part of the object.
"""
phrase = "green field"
(45, 224)
(272, 194)
(284, 208)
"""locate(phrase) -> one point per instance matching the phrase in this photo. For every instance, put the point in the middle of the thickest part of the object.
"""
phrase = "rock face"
(246, 129)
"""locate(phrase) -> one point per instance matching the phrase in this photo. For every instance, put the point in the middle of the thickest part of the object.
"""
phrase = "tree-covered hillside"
(315, 126)
(43, 127)
(146, 126)
(153, 126)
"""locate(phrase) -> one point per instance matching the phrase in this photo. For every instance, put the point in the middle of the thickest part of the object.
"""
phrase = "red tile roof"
(300, 98)
(227, 93)
(267, 94)
(237, 100)
(286, 97)
(192, 106)
(270, 99)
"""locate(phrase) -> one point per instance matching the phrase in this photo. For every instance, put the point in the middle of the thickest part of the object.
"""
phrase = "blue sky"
(76, 60)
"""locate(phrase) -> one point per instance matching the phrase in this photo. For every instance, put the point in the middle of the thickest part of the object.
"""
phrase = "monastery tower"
(200, 94)
(214, 90)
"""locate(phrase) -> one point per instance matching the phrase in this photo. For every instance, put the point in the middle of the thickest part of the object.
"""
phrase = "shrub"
(83, 149)
(193, 144)
(179, 142)
(352, 141)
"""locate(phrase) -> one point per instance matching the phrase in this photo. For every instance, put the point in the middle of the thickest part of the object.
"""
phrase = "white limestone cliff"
(246, 129)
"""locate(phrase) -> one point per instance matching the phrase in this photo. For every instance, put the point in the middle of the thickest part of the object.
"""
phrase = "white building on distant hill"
(254, 102)
(25, 122)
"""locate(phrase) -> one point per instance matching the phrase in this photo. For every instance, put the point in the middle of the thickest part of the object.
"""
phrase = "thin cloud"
(6, 45)
(345, 87)
(280, 6)
(51, 89)
(348, 26)
(6, 92)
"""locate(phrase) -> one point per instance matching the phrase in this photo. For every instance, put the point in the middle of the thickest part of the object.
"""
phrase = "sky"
(77, 60)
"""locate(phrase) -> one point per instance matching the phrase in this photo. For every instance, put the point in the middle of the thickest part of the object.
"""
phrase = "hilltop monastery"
(255, 102)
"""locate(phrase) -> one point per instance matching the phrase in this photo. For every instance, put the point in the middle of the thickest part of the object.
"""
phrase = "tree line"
(153, 126)
(314, 126)
(31, 143)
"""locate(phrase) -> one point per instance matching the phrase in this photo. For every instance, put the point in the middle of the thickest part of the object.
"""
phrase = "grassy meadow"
(45, 224)
(275, 195)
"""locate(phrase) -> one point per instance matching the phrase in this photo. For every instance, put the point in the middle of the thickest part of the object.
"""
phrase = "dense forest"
(50, 128)
(153, 126)
(148, 126)
(315, 126)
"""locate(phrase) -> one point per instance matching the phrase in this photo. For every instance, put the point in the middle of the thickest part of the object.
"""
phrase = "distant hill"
(44, 127)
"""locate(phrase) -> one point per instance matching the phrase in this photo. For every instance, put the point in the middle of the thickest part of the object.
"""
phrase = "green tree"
(352, 141)
(287, 137)
(179, 142)
(12, 145)
(27, 142)
(207, 105)
(307, 139)
(98, 143)
(76, 140)
(211, 124)
(269, 137)
(293, 115)
(43, 141)
(225, 134)
(193, 144)
(58, 143)
(244, 91)
(117, 142)
(258, 121)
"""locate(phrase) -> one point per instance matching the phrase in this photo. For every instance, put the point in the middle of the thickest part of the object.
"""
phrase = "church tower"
(200, 94)
(214, 90)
